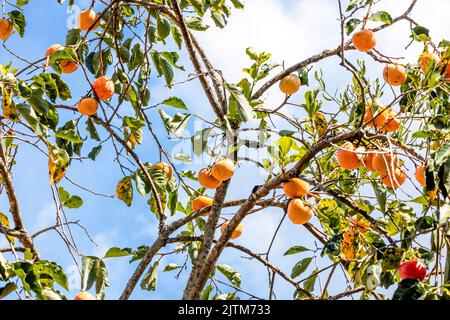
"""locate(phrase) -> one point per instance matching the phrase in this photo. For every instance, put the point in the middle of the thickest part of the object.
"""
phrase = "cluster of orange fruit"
(103, 86)
(299, 211)
(384, 162)
(212, 179)
(395, 74)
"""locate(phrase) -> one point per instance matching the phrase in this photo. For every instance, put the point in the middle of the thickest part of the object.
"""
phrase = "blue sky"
(292, 31)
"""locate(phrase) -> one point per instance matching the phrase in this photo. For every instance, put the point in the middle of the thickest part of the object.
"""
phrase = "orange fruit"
(395, 74)
(6, 29)
(382, 161)
(396, 180)
(167, 168)
(368, 160)
(86, 19)
(52, 49)
(296, 188)
(207, 181)
(433, 194)
(290, 84)
(104, 88)
(84, 296)
(298, 212)
(420, 174)
(364, 40)
(202, 202)
(347, 157)
(223, 170)
(88, 106)
(447, 73)
(393, 123)
(236, 233)
(426, 58)
(69, 66)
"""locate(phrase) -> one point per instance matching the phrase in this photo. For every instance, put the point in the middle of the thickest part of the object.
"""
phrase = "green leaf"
(6, 290)
(171, 266)
(115, 252)
(151, 278)
(245, 110)
(232, 275)
(19, 22)
(73, 202)
(295, 250)
(176, 124)
(175, 102)
(300, 267)
(196, 23)
(381, 16)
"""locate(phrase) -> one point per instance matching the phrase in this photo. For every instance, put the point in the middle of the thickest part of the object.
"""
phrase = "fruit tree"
(360, 174)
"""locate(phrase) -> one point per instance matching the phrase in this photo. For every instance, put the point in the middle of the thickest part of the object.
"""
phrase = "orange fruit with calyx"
(103, 88)
(87, 19)
(202, 202)
(206, 179)
(394, 180)
(298, 212)
(53, 48)
(290, 84)
(383, 160)
(88, 106)
(347, 157)
(364, 40)
(6, 29)
(236, 233)
(395, 74)
(223, 170)
(296, 188)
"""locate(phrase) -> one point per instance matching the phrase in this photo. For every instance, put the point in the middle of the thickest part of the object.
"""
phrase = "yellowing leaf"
(124, 190)
(58, 161)
(9, 109)
(5, 222)
(154, 205)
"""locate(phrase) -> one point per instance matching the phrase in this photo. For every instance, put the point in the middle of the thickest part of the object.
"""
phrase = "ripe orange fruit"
(236, 233)
(347, 157)
(364, 40)
(298, 212)
(69, 66)
(382, 161)
(6, 29)
(223, 170)
(52, 49)
(433, 194)
(395, 74)
(447, 73)
(426, 58)
(88, 106)
(420, 174)
(202, 202)
(368, 160)
(84, 296)
(290, 84)
(104, 88)
(207, 181)
(396, 180)
(393, 123)
(296, 188)
(167, 168)
(86, 19)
